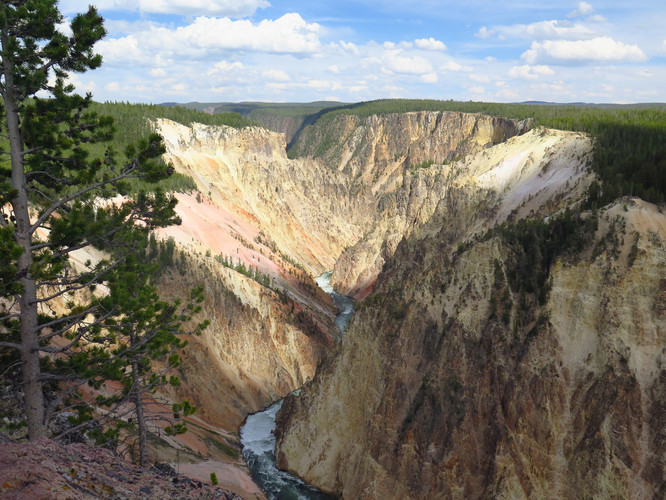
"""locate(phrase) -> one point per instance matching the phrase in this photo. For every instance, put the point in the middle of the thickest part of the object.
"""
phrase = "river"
(344, 304)
(257, 434)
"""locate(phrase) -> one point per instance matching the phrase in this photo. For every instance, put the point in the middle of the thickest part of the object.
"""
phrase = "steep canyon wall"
(281, 216)
(454, 380)
(480, 368)
(385, 157)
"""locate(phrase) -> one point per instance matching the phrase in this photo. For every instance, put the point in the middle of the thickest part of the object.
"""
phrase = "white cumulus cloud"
(323, 85)
(399, 45)
(225, 67)
(276, 75)
(351, 48)
(454, 66)
(583, 9)
(479, 78)
(395, 63)
(112, 87)
(429, 44)
(121, 50)
(289, 34)
(527, 72)
(600, 49)
(484, 32)
(429, 78)
(543, 30)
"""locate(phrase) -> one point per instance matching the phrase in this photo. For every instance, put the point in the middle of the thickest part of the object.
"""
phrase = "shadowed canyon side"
(500, 361)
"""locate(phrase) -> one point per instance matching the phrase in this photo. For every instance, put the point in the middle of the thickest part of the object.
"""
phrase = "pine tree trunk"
(140, 417)
(32, 384)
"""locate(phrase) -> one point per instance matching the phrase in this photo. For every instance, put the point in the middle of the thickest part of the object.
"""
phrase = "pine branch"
(39, 192)
(84, 244)
(111, 414)
(73, 320)
(11, 366)
(71, 288)
(55, 377)
(73, 196)
(74, 317)
(34, 173)
(10, 315)
(78, 336)
(132, 217)
(30, 151)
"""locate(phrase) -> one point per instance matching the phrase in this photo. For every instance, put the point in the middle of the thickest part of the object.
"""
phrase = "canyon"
(456, 381)
(292, 219)
(504, 345)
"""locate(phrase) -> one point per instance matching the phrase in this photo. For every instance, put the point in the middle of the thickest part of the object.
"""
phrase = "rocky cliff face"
(287, 125)
(515, 166)
(257, 207)
(257, 348)
(301, 208)
(386, 158)
(500, 362)
(376, 146)
(365, 182)
(279, 217)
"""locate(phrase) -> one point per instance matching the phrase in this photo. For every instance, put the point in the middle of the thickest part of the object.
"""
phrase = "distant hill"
(285, 117)
(597, 105)
(246, 108)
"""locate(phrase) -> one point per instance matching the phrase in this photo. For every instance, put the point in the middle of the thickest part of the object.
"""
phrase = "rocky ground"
(47, 470)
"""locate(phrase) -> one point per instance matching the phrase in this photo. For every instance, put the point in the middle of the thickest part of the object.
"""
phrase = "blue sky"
(304, 50)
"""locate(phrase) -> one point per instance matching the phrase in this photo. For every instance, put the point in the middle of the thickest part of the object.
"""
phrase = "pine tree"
(146, 329)
(56, 197)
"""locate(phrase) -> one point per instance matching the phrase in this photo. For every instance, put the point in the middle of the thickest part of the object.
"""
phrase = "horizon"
(292, 51)
(347, 103)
